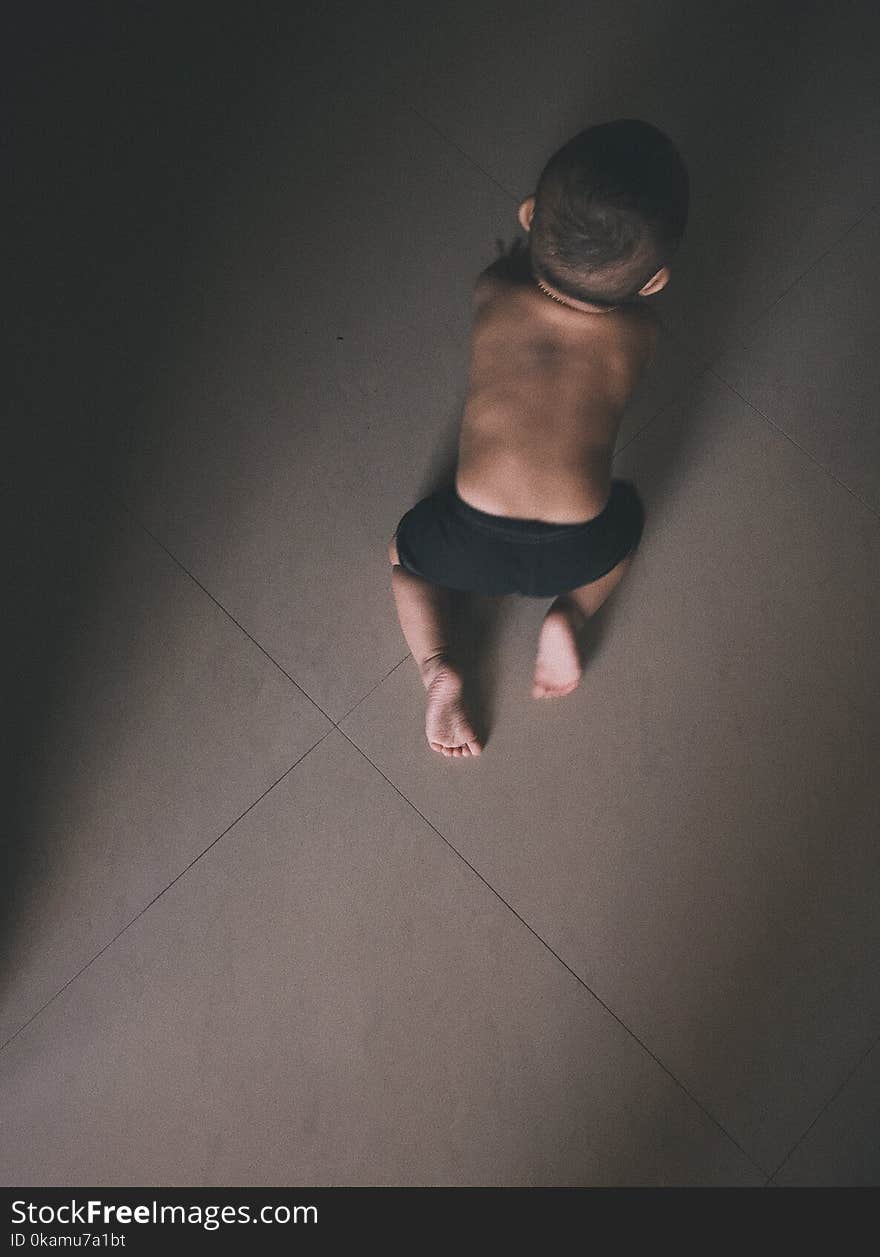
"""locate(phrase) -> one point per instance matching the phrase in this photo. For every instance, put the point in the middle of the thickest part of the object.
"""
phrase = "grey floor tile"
(315, 373)
(694, 830)
(774, 107)
(843, 1148)
(810, 363)
(159, 724)
(330, 996)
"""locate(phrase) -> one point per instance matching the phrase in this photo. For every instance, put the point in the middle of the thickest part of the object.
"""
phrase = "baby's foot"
(558, 668)
(447, 725)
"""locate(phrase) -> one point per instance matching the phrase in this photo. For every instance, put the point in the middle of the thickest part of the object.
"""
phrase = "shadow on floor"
(119, 122)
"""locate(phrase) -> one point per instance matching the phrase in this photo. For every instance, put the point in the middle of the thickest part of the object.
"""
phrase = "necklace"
(568, 306)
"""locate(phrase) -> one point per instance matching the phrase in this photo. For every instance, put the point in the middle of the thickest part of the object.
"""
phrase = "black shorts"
(451, 543)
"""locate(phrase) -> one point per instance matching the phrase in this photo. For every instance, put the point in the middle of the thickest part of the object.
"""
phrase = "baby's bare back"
(547, 389)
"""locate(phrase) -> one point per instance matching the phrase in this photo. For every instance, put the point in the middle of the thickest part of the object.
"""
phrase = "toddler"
(561, 337)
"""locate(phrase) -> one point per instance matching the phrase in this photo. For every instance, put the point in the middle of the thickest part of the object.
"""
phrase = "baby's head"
(608, 214)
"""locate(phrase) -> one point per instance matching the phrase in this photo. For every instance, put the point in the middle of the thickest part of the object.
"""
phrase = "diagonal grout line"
(697, 368)
(240, 627)
(660, 411)
(459, 149)
(825, 1106)
(815, 262)
(147, 907)
(556, 956)
(216, 602)
(796, 444)
(371, 690)
(740, 331)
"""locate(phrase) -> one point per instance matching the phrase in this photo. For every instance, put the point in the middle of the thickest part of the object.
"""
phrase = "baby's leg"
(423, 611)
(560, 664)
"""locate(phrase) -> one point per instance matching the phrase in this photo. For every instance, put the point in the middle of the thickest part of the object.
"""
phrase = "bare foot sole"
(447, 725)
(558, 667)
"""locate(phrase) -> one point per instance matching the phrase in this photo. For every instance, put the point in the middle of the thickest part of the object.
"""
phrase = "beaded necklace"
(560, 301)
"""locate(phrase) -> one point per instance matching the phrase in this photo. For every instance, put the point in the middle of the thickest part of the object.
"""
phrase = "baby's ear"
(658, 281)
(526, 213)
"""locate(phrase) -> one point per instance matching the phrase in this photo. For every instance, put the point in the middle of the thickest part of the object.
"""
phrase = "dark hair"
(611, 207)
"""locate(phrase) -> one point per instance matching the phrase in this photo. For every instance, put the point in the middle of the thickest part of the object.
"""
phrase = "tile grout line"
(826, 1105)
(158, 896)
(557, 957)
(815, 262)
(661, 411)
(372, 689)
(452, 144)
(709, 369)
(782, 432)
(139, 523)
(708, 365)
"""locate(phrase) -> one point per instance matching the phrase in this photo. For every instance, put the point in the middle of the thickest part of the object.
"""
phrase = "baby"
(561, 337)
